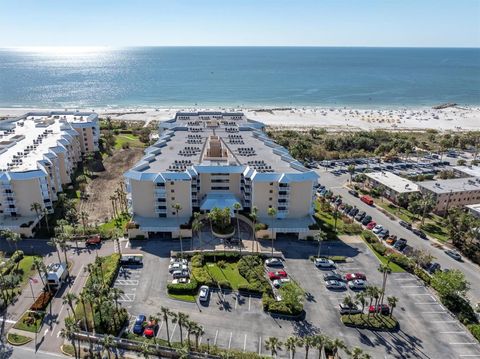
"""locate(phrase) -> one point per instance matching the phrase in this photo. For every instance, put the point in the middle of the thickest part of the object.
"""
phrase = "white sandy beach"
(453, 118)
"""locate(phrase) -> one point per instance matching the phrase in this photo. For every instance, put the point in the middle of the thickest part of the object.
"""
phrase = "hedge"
(183, 288)
(475, 330)
(42, 301)
(336, 259)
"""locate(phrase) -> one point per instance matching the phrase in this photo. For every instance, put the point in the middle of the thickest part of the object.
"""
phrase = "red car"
(384, 309)
(371, 225)
(150, 328)
(351, 276)
(93, 240)
(277, 275)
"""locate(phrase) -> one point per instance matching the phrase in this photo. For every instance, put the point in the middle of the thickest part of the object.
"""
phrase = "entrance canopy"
(220, 200)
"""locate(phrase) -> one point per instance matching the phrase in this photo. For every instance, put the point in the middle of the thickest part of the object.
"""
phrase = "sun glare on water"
(63, 50)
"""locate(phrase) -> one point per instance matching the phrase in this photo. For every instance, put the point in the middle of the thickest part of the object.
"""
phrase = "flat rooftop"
(473, 171)
(474, 207)
(451, 185)
(391, 180)
(25, 140)
(187, 141)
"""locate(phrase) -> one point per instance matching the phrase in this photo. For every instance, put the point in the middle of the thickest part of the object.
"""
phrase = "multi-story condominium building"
(451, 193)
(38, 154)
(204, 160)
(392, 186)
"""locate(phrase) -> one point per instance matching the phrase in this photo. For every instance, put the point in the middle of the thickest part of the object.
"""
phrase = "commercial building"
(391, 186)
(474, 209)
(450, 193)
(467, 171)
(204, 160)
(38, 154)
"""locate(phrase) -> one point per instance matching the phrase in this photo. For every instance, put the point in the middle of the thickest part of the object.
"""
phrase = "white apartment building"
(38, 154)
(204, 160)
(391, 185)
(450, 193)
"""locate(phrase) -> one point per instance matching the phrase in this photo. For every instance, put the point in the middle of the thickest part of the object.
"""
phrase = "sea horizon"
(239, 77)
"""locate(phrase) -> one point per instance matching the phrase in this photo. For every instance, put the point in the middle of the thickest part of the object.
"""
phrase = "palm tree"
(335, 345)
(392, 302)
(83, 298)
(37, 264)
(69, 298)
(320, 341)
(84, 218)
(237, 207)
(197, 227)
(36, 207)
(308, 342)
(181, 319)
(177, 208)
(113, 200)
(154, 319)
(54, 243)
(198, 332)
(165, 313)
(108, 342)
(116, 294)
(45, 215)
(65, 247)
(254, 216)
(68, 333)
(356, 353)
(348, 301)
(190, 325)
(291, 345)
(385, 270)
(351, 171)
(272, 212)
(372, 293)
(320, 237)
(274, 345)
(360, 298)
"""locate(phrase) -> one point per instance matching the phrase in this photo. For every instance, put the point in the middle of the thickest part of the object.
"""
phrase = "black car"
(332, 275)
(360, 216)
(366, 220)
(400, 244)
(419, 233)
(384, 234)
(432, 268)
(406, 225)
(353, 192)
(353, 212)
(347, 209)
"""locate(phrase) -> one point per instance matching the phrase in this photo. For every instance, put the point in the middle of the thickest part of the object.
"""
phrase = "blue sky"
(439, 23)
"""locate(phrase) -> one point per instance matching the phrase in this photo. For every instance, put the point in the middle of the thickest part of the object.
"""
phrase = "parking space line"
(230, 340)
(260, 346)
(443, 321)
(160, 329)
(236, 301)
(460, 332)
(412, 286)
(415, 294)
(405, 279)
(244, 343)
(427, 303)
(249, 300)
(438, 312)
(173, 331)
(470, 355)
(468, 343)
(215, 340)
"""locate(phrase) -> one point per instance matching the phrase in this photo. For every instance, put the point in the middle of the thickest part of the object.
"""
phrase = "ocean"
(239, 76)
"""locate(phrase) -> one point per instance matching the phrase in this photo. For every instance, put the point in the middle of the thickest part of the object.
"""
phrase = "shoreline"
(458, 118)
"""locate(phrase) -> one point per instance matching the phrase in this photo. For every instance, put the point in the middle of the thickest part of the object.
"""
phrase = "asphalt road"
(471, 270)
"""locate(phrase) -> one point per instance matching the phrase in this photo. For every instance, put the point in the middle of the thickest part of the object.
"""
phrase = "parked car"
(406, 225)
(180, 274)
(277, 275)
(367, 199)
(377, 229)
(345, 309)
(178, 260)
(277, 283)
(371, 225)
(366, 220)
(357, 284)
(391, 240)
(138, 325)
(181, 281)
(335, 284)
(150, 329)
(203, 293)
(380, 308)
(94, 241)
(360, 216)
(274, 262)
(177, 266)
(323, 263)
(332, 275)
(454, 254)
(353, 212)
(432, 268)
(419, 233)
(384, 233)
(353, 192)
(352, 276)
(400, 244)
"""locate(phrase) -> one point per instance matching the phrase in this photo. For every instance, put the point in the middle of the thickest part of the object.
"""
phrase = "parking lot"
(426, 329)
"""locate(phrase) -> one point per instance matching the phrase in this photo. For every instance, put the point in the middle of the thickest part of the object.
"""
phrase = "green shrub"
(352, 228)
(260, 226)
(369, 237)
(313, 226)
(379, 248)
(253, 289)
(222, 264)
(336, 259)
(17, 256)
(225, 284)
(202, 276)
(475, 330)
(197, 261)
(183, 288)
(229, 257)
(402, 260)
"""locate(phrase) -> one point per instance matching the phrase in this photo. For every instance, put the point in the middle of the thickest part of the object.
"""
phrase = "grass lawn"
(129, 139)
(33, 327)
(229, 274)
(393, 266)
(378, 321)
(119, 222)
(16, 339)
(184, 297)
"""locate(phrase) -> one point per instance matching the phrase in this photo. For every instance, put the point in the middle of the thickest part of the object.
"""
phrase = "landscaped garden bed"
(30, 321)
(17, 339)
(372, 321)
